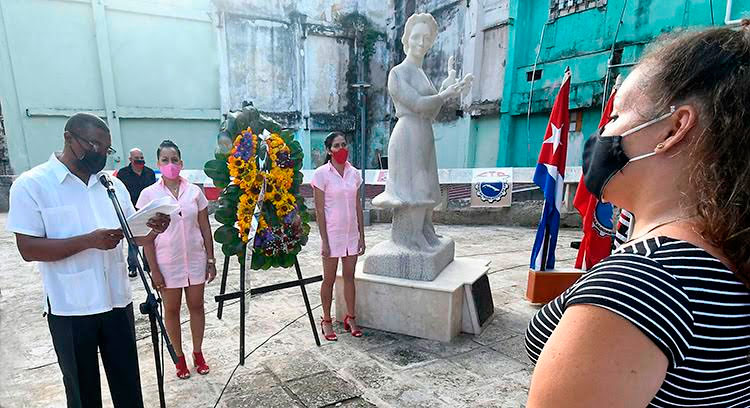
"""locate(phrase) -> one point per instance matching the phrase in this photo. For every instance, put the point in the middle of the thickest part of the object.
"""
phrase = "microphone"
(106, 182)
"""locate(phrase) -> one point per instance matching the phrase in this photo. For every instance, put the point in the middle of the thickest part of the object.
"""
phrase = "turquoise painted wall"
(582, 41)
(483, 142)
(452, 142)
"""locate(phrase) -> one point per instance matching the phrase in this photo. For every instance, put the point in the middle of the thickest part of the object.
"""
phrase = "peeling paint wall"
(296, 60)
(327, 63)
(261, 63)
(583, 40)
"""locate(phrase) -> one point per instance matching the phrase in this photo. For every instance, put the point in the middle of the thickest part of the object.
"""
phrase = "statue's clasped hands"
(452, 87)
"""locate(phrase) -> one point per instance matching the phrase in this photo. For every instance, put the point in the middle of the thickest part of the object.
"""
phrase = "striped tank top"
(685, 301)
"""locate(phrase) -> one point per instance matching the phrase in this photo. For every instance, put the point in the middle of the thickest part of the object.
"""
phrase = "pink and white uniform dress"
(340, 207)
(180, 251)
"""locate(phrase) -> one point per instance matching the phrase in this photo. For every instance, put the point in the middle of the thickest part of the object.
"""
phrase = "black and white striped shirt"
(683, 299)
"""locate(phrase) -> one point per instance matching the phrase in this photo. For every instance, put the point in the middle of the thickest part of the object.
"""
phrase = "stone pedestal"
(439, 309)
(390, 259)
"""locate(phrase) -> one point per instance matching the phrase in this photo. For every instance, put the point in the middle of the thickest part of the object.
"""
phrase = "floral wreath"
(260, 206)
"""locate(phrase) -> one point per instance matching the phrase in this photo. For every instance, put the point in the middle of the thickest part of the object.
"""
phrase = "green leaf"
(221, 183)
(226, 215)
(222, 157)
(217, 170)
(258, 261)
(305, 215)
(233, 248)
(288, 136)
(233, 191)
(270, 214)
(226, 234)
(226, 249)
(288, 261)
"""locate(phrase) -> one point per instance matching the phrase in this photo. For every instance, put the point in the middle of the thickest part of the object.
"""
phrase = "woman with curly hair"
(665, 320)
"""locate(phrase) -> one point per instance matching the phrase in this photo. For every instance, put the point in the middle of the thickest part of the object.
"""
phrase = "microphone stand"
(151, 305)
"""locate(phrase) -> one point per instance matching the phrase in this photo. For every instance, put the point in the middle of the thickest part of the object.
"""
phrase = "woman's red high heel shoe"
(181, 366)
(200, 363)
(348, 327)
(329, 337)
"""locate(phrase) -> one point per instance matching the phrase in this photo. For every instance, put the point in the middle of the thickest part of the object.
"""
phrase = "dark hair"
(166, 144)
(83, 121)
(329, 142)
(712, 68)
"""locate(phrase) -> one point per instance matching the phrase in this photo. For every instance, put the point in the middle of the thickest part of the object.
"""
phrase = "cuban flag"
(550, 171)
(598, 228)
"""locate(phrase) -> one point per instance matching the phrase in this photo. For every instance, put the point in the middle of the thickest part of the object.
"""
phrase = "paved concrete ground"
(286, 369)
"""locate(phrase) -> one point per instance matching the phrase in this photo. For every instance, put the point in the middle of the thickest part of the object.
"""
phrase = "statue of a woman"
(412, 189)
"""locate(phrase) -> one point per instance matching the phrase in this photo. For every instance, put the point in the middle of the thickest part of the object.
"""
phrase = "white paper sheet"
(138, 221)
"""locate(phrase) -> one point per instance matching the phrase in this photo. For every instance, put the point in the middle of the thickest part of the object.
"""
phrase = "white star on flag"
(555, 137)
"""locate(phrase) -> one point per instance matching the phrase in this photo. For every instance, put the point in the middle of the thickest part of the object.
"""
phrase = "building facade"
(169, 69)
(598, 40)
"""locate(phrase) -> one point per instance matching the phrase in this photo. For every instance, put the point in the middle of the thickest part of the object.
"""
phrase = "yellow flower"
(276, 198)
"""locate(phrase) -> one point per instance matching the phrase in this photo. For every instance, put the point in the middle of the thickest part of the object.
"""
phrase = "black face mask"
(92, 162)
(139, 161)
(604, 156)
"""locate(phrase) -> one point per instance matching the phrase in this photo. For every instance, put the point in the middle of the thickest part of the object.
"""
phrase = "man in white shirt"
(63, 218)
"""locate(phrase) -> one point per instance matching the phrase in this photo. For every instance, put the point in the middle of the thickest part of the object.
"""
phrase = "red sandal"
(200, 363)
(182, 369)
(348, 327)
(329, 337)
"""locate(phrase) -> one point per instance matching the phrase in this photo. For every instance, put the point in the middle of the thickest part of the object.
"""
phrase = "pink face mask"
(170, 171)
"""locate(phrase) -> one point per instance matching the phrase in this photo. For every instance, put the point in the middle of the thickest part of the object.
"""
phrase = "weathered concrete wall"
(297, 61)
(261, 63)
(327, 62)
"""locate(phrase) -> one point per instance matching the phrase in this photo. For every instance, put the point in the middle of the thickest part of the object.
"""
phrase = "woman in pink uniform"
(339, 215)
(183, 256)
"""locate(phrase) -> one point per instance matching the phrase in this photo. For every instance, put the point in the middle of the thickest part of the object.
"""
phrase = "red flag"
(597, 217)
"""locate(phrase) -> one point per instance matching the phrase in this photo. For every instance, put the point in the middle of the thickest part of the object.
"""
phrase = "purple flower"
(290, 217)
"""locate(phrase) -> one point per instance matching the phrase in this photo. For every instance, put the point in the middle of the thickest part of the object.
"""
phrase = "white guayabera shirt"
(50, 201)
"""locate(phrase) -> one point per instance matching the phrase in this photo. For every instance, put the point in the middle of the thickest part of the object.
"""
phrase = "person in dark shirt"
(136, 176)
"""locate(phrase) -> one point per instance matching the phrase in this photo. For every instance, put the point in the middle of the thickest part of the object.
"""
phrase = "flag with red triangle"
(549, 176)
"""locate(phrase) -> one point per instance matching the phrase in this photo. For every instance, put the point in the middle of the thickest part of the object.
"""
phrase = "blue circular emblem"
(602, 223)
(491, 191)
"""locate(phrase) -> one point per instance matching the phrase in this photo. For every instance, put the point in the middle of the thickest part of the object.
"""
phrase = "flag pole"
(545, 250)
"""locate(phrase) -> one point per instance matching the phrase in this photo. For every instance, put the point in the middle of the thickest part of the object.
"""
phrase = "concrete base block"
(437, 310)
(389, 259)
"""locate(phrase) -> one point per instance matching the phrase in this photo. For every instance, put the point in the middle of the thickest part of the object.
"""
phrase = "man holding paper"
(63, 218)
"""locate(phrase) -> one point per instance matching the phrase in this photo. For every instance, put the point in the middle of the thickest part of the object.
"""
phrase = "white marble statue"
(412, 189)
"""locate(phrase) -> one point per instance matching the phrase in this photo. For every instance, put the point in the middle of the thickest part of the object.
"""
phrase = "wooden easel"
(241, 294)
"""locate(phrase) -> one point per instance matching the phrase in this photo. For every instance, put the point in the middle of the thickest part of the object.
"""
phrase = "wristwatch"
(211, 261)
